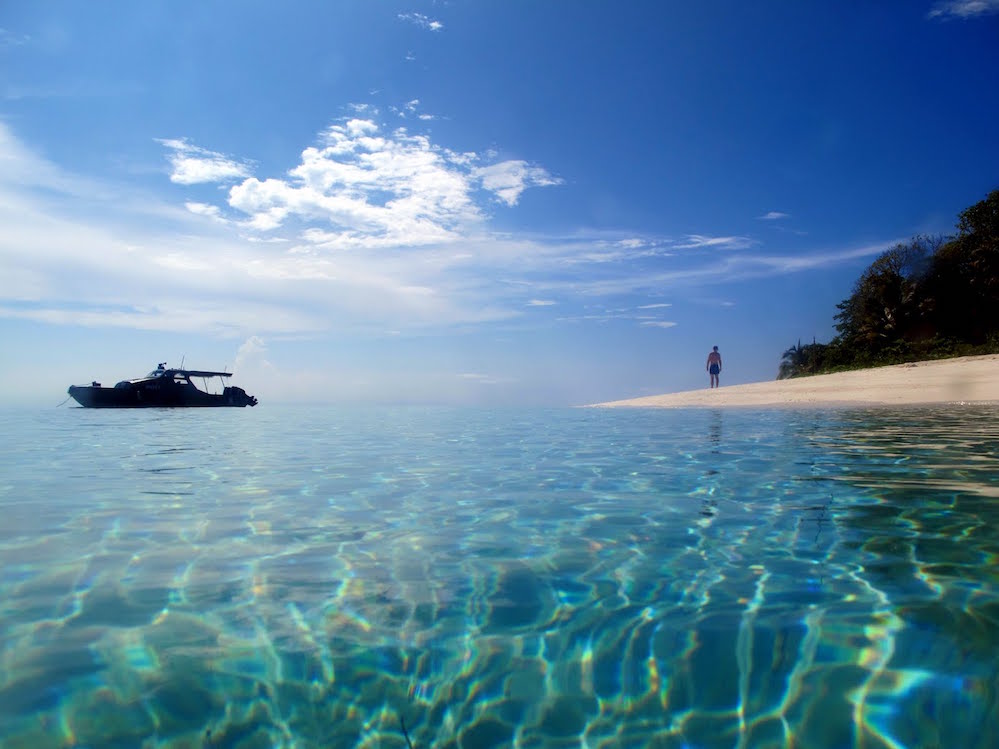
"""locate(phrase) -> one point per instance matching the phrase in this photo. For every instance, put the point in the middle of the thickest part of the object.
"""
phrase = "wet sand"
(967, 379)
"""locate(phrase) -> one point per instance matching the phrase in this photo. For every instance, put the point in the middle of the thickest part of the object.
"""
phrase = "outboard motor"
(236, 396)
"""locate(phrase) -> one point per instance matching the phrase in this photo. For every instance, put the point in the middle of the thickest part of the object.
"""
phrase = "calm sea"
(394, 577)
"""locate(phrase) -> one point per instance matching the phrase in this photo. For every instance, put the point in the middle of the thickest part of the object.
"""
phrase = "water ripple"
(312, 578)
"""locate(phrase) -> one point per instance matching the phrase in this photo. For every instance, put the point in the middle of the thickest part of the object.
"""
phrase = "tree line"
(929, 298)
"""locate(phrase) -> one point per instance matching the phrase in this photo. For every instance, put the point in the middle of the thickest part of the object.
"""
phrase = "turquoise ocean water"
(394, 577)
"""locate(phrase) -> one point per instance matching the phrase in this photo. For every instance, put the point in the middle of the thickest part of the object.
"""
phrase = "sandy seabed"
(967, 379)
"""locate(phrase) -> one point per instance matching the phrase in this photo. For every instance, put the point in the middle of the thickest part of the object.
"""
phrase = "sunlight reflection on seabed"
(720, 580)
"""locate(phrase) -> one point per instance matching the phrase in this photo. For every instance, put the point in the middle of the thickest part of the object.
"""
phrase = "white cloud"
(204, 209)
(782, 264)
(411, 109)
(658, 324)
(363, 188)
(422, 21)
(964, 8)
(24, 168)
(483, 379)
(74, 89)
(191, 165)
(371, 232)
(694, 241)
(251, 352)
(713, 269)
(510, 178)
(773, 216)
(180, 314)
(654, 306)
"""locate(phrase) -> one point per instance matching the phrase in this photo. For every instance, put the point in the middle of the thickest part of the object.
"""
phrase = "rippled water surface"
(283, 577)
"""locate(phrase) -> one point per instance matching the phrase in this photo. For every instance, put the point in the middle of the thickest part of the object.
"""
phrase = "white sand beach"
(968, 379)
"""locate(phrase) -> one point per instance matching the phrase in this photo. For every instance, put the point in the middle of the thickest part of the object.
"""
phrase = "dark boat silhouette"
(161, 387)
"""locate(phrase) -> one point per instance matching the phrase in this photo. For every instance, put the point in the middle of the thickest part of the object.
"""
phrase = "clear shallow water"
(601, 578)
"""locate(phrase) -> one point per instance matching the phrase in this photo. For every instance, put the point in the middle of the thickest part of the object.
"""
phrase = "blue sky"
(468, 202)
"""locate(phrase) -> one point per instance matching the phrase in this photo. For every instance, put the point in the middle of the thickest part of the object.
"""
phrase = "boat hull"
(158, 395)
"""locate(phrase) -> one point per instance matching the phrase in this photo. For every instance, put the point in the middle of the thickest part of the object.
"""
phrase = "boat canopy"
(162, 372)
(199, 373)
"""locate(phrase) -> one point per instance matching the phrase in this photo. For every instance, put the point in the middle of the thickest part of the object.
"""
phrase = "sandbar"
(966, 379)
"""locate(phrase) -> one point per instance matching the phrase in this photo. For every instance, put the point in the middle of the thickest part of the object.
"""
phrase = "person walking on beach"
(714, 366)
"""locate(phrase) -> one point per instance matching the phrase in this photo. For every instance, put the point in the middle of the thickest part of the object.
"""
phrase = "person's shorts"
(715, 369)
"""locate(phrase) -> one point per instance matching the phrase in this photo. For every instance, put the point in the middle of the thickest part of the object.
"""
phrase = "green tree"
(885, 307)
(981, 221)
(962, 289)
(791, 362)
(978, 237)
(923, 298)
(800, 360)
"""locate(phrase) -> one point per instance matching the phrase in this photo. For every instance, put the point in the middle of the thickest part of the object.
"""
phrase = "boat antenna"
(182, 357)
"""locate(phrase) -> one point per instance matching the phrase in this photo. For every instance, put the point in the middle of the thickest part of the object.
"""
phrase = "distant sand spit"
(965, 379)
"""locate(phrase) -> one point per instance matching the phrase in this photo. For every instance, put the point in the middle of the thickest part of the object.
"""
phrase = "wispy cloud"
(73, 89)
(620, 281)
(632, 242)
(369, 110)
(19, 166)
(422, 21)
(695, 241)
(370, 232)
(658, 324)
(963, 8)
(411, 109)
(773, 216)
(483, 379)
(509, 179)
(11, 39)
(602, 315)
(191, 165)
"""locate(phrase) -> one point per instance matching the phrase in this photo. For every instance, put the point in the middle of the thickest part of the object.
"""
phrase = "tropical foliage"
(927, 298)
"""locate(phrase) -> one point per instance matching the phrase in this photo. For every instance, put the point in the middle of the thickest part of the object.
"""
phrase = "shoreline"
(966, 379)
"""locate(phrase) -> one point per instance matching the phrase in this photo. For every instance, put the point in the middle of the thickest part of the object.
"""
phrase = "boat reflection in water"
(161, 387)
